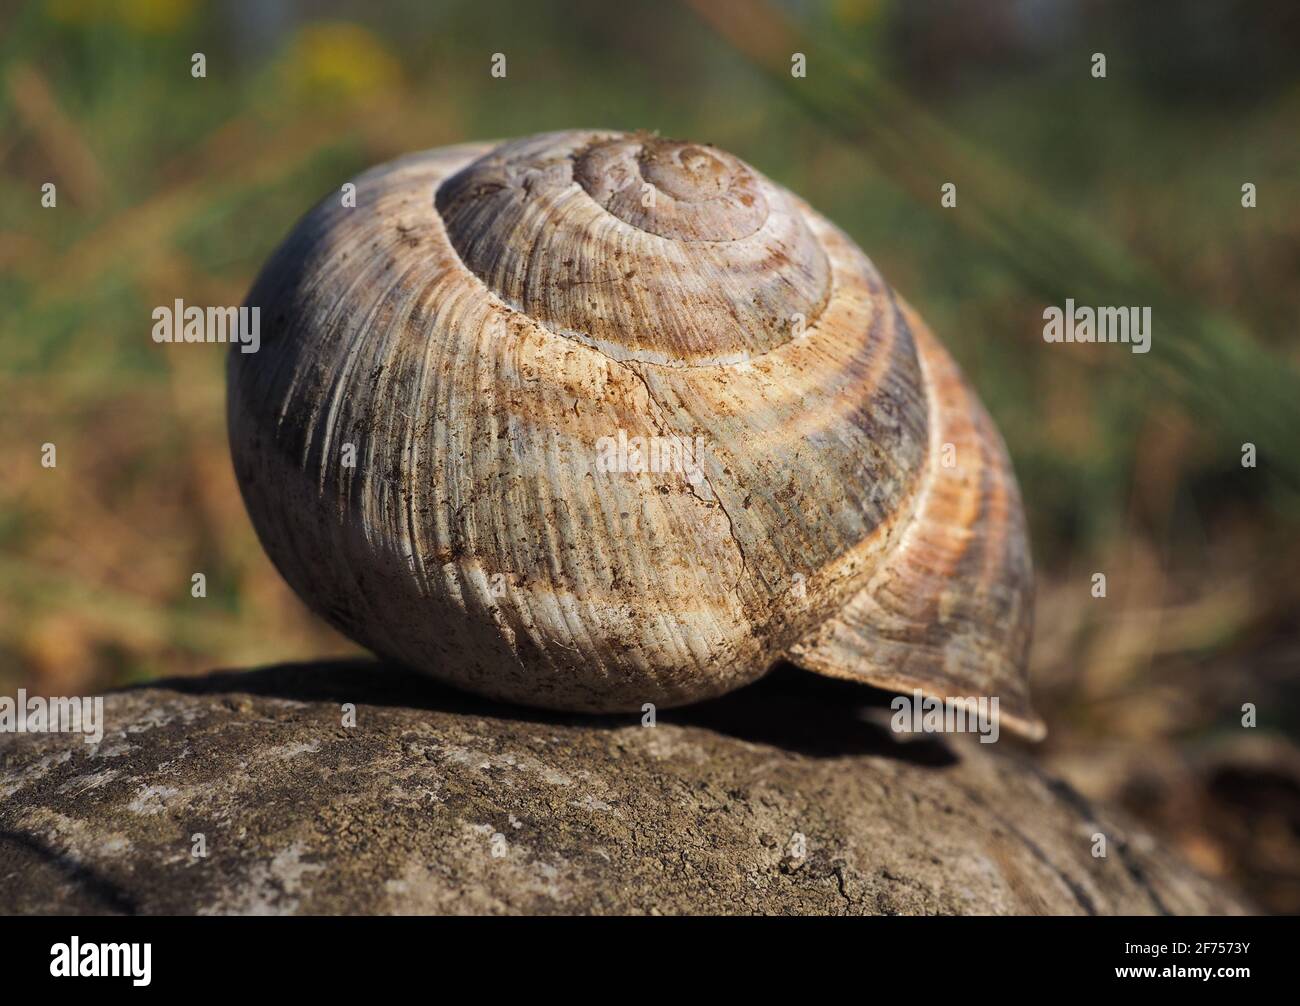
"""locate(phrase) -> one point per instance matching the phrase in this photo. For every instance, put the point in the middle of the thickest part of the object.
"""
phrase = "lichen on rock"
(247, 793)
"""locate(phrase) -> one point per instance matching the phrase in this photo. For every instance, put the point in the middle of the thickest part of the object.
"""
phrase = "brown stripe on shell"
(816, 448)
(950, 610)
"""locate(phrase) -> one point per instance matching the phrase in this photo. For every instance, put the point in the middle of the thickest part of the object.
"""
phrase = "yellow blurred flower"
(338, 59)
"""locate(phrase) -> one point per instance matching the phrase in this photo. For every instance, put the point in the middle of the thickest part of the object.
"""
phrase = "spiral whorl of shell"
(448, 369)
(645, 249)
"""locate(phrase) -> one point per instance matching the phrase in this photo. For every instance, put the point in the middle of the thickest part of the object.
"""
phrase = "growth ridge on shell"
(647, 249)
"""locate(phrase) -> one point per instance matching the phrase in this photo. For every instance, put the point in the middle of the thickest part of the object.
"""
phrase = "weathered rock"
(781, 798)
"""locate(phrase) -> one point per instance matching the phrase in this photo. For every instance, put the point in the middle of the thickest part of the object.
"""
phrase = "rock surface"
(786, 797)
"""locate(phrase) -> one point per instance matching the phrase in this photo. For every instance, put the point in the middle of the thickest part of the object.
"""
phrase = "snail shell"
(486, 314)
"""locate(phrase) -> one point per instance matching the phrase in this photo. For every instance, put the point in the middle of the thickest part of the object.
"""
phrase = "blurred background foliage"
(1118, 191)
